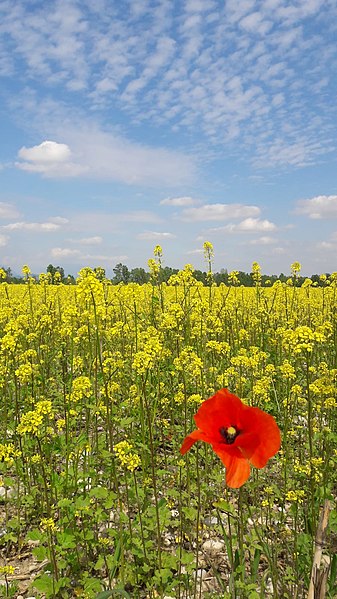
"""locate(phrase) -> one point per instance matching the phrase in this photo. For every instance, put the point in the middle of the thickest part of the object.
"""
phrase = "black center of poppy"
(229, 434)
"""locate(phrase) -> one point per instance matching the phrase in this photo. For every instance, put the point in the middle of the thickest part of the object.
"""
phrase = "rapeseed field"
(99, 388)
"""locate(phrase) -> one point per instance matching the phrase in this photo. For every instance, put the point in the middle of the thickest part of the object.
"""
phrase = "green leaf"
(91, 584)
(66, 540)
(110, 500)
(162, 502)
(255, 563)
(99, 564)
(44, 584)
(40, 553)
(224, 506)
(98, 492)
(34, 535)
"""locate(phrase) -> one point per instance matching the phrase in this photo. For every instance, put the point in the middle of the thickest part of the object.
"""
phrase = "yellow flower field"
(99, 385)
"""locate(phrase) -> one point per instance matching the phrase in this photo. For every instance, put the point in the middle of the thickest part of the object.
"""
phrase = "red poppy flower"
(240, 435)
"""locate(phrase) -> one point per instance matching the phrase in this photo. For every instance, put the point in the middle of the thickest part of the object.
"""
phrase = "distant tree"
(201, 276)
(221, 277)
(122, 274)
(139, 275)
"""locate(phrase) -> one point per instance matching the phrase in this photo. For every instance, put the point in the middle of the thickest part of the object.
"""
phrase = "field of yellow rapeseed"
(99, 386)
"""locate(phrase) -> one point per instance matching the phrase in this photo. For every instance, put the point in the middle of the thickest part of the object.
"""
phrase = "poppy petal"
(220, 410)
(191, 439)
(237, 468)
(263, 439)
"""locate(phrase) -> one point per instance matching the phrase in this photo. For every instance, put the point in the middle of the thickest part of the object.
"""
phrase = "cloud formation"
(8, 211)
(22, 225)
(238, 71)
(264, 240)
(155, 235)
(49, 158)
(248, 225)
(95, 240)
(318, 207)
(182, 201)
(219, 212)
(97, 154)
(79, 257)
(47, 152)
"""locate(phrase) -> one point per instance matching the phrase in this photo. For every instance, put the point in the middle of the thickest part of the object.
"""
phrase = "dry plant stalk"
(320, 567)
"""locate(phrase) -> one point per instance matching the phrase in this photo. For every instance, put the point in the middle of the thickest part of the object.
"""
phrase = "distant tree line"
(122, 274)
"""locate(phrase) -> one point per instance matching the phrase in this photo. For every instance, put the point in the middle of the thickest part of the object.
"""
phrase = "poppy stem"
(197, 527)
(240, 537)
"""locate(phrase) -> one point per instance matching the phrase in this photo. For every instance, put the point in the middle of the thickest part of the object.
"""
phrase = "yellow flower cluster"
(256, 273)
(126, 456)
(222, 348)
(173, 317)
(184, 277)
(189, 362)
(303, 338)
(24, 373)
(31, 422)
(8, 452)
(48, 524)
(150, 353)
(295, 496)
(7, 570)
(81, 388)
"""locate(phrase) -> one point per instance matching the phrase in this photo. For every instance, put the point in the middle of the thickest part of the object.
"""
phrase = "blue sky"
(124, 125)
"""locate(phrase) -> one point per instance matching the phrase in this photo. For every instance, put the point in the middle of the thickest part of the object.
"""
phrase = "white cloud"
(64, 252)
(58, 220)
(255, 23)
(3, 240)
(138, 216)
(219, 212)
(302, 151)
(95, 240)
(21, 226)
(182, 201)
(197, 252)
(80, 257)
(153, 235)
(248, 225)
(50, 158)
(8, 211)
(319, 207)
(45, 152)
(326, 245)
(264, 240)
